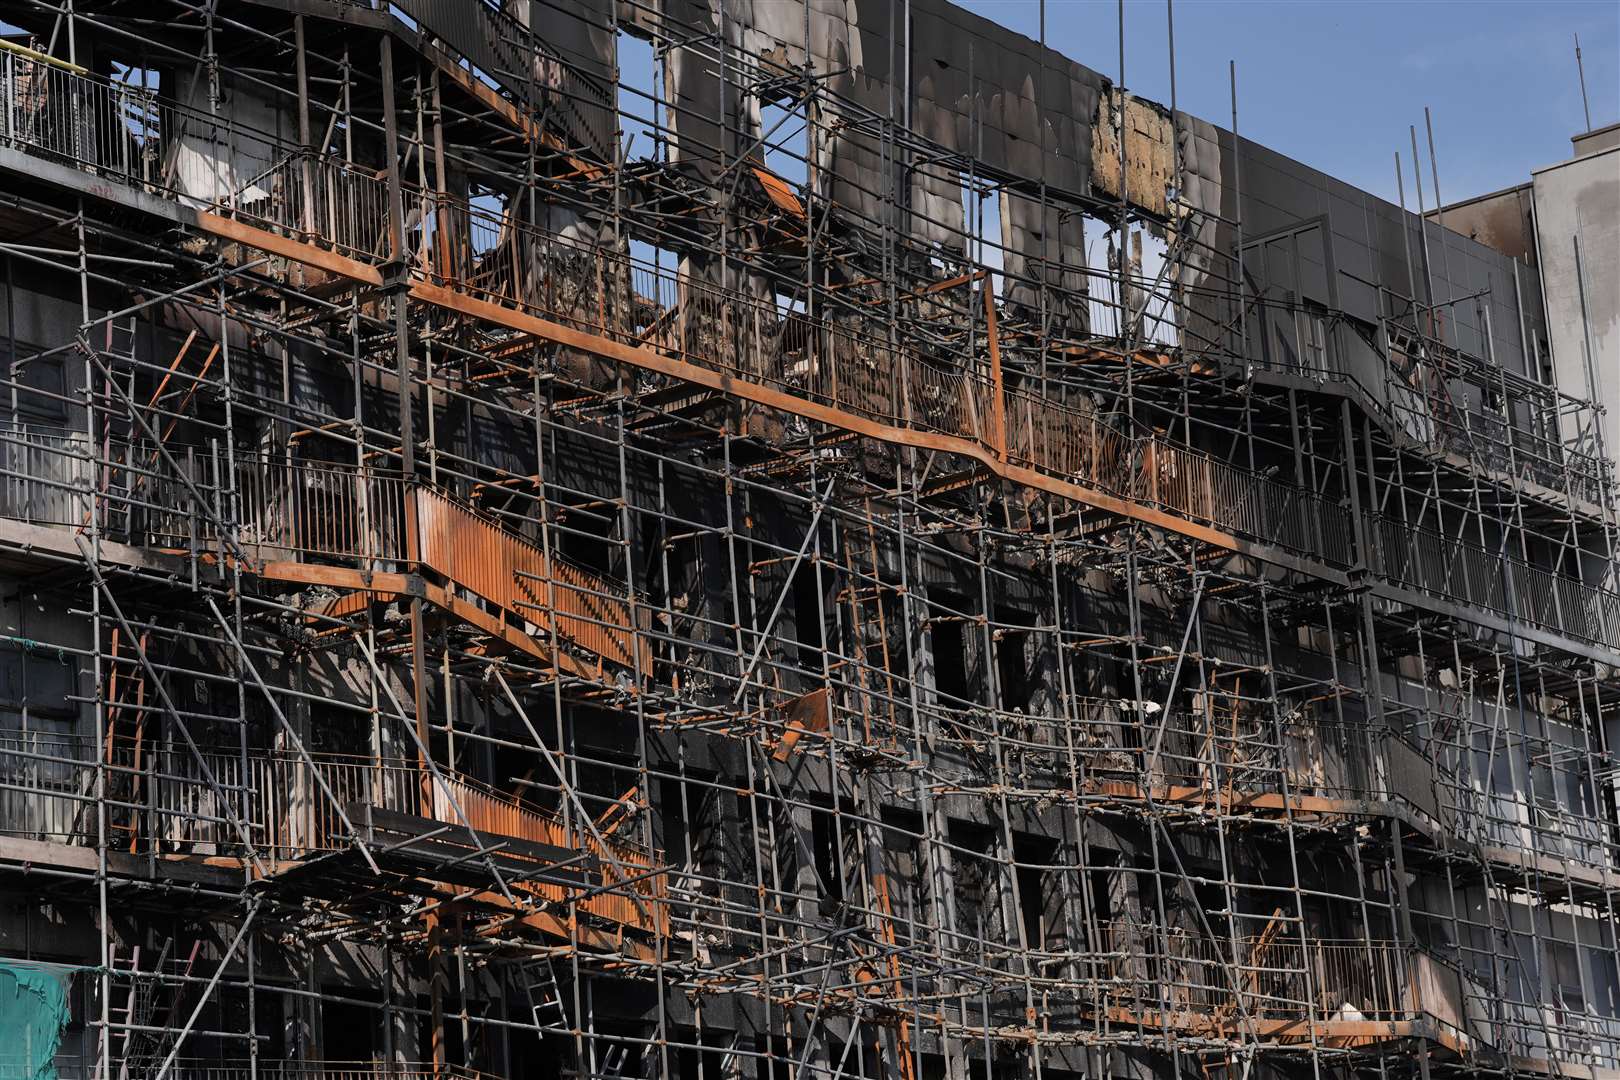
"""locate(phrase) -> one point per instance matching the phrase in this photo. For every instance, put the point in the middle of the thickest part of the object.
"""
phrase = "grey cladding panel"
(878, 25)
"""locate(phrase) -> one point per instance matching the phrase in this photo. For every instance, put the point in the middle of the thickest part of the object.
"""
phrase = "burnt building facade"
(770, 540)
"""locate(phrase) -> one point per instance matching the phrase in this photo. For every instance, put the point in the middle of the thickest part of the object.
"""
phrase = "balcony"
(284, 810)
(1245, 766)
(1414, 396)
(328, 513)
(327, 523)
(1149, 971)
(1351, 994)
(1472, 575)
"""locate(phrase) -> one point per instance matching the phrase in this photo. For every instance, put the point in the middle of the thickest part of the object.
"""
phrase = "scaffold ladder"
(545, 991)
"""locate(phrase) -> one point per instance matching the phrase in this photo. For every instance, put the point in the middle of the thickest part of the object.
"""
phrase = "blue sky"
(1335, 84)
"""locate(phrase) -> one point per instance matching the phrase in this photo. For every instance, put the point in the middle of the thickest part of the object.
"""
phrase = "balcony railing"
(159, 799)
(327, 512)
(319, 510)
(48, 476)
(132, 135)
(1272, 979)
(1209, 760)
(265, 1069)
(1467, 573)
(1420, 404)
(310, 511)
(1148, 971)
(335, 512)
(517, 575)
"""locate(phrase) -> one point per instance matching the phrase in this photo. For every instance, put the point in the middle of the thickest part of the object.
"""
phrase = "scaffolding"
(617, 539)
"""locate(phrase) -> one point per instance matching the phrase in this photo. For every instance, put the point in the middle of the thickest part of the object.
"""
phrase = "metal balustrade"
(335, 510)
(1550, 1031)
(45, 475)
(1144, 968)
(489, 811)
(1211, 760)
(325, 510)
(1420, 406)
(159, 799)
(1337, 981)
(50, 476)
(264, 1069)
(1468, 573)
(124, 132)
(311, 511)
(321, 199)
(1136, 972)
(842, 358)
(47, 781)
(115, 128)
(611, 294)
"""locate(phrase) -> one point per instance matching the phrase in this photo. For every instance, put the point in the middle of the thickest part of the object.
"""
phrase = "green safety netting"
(33, 1012)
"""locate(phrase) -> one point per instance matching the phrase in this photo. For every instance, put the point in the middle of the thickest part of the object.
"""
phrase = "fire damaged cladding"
(995, 96)
(1018, 111)
(975, 93)
(1503, 221)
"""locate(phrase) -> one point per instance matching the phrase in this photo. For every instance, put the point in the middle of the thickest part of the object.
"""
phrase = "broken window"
(1013, 672)
(835, 838)
(1102, 879)
(808, 615)
(1600, 963)
(901, 855)
(1569, 996)
(351, 1026)
(1040, 891)
(637, 98)
(690, 832)
(972, 877)
(584, 533)
(950, 659)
